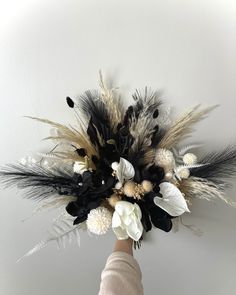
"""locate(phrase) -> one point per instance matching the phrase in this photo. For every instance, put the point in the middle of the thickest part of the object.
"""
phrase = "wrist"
(124, 246)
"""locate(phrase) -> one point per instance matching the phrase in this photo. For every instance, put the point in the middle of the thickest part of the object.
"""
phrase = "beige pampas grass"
(113, 104)
(149, 156)
(195, 187)
(143, 127)
(67, 156)
(182, 127)
(79, 138)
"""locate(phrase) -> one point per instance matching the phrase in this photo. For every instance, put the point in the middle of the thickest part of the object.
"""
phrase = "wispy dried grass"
(112, 102)
(183, 126)
(149, 156)
(195, 187)
(69, 134)
(142, 126)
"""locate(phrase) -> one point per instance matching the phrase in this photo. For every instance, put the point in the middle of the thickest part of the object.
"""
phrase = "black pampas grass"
(219, 166)
(40, 183)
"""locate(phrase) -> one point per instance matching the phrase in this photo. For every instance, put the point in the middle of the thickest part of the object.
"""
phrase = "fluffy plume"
(143, 121)
(41, 183)
(182, 127)
(149, 156)
(100, 126)
(70, 135)
(113, 104)
(219, 166)
(195, 187)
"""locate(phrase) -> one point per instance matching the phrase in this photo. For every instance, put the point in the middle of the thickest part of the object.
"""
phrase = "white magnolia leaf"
(120, 233)
(116, 221)
(124, 209)
(124, 170)
(134, 230)
(172, 201)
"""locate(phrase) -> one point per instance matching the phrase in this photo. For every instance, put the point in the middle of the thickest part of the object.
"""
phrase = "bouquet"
(124, 169)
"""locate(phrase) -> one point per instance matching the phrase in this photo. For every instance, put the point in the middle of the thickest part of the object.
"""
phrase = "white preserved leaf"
(124, 170)
(172, 201)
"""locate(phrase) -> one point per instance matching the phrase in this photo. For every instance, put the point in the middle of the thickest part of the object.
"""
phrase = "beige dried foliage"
(196, 187)
(112, 102)
(79, 138)
(183, 126)
(143, 126)
(149, 156)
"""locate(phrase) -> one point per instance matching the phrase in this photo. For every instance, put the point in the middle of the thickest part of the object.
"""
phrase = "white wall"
(51, 49)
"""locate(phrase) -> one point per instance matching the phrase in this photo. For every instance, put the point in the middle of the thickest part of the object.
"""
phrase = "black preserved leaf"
(81, 152)
(70, 102)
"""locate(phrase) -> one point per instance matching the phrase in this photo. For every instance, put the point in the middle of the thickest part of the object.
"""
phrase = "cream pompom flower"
(165, 159)
(126, 221)
(190, 159)
(99, 220)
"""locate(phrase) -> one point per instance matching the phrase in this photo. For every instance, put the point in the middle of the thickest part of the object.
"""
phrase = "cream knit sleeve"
(121, 275)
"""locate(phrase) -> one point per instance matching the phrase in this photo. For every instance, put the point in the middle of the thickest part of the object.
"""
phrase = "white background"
(51, 49)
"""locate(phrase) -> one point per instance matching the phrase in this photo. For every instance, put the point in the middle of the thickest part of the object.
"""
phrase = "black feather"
(219, 165)
(40, 183)
(96, 112)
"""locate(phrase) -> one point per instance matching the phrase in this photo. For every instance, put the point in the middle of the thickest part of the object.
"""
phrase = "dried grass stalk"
(149, 156)
(195, 187)
(113, 104)
(182, 127)
(79, 138)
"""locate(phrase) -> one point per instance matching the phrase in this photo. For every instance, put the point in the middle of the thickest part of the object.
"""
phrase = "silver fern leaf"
(179, 152)
(62, 231)
(186, 148)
